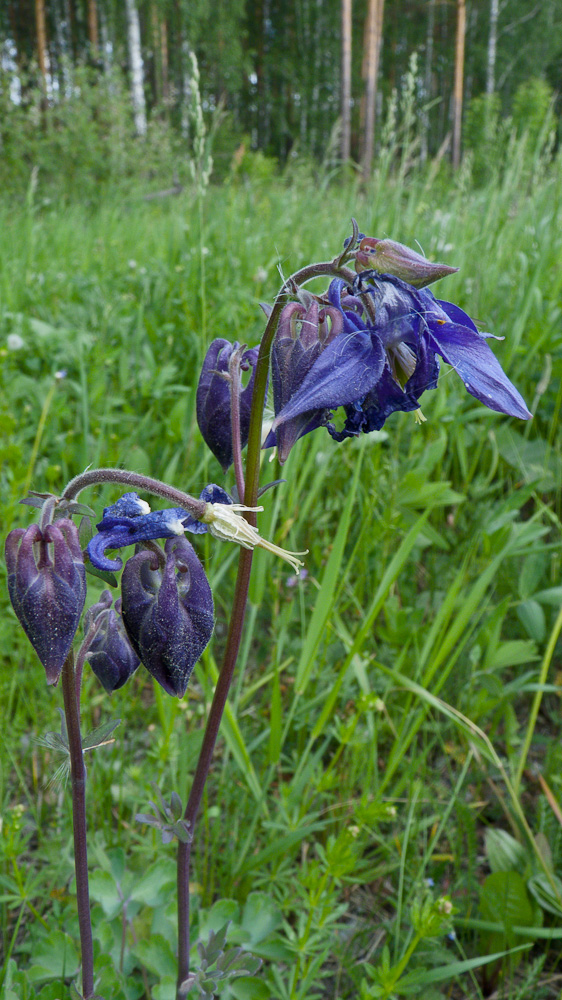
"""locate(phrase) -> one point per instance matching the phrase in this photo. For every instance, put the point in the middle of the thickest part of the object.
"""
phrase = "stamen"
(225, 523)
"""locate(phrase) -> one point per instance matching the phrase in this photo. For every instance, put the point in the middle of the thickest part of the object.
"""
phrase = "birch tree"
(137, 67)
(346, 80)
(492, 46)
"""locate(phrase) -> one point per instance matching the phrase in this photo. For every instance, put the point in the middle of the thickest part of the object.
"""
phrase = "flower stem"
(203, 764)
(239, 604)
(78, 782)
(95, 477)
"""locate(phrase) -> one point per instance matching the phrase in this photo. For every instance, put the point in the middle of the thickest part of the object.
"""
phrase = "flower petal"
(479, 369)
(346, 370)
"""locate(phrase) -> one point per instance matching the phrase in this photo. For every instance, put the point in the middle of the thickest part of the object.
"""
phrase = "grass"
(392, 734)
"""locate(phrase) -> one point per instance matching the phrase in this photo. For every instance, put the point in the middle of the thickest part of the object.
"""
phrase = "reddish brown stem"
(78, 782)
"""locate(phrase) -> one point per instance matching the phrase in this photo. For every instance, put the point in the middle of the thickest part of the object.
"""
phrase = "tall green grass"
(377, 722)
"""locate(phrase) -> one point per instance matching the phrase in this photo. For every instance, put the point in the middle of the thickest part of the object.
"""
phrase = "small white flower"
(14, 342)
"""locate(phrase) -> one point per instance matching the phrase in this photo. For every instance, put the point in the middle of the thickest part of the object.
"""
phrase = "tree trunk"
(42, 55)
(427, 78)
(137, 69)
(373, 39)
(459, 77)
(93, 28)
(346, 80)
(492, 45)
(156, 53)
(164, 61)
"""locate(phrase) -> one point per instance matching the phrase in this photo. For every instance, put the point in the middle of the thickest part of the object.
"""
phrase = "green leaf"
(53, 957)
(540, 888)
(260, 917)
(103, 889)
(504, 852)
(531, 616)
(504, 895)
(326, 594)
(156, 955)
(250, 988)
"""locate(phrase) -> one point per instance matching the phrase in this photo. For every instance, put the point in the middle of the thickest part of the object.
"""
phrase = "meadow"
(383, 813)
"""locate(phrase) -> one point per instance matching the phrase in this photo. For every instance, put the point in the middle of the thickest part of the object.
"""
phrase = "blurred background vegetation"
(148, 203)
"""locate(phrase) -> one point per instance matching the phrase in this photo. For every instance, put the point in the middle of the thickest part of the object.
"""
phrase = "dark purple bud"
(305, 330)
(47, 587)
(213, 399)
(110, 654)
(168, 613)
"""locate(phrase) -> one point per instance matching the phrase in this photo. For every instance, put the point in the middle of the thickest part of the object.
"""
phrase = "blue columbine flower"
(168, 612)
(47, 588)
(126, 523)
(378, 365)
(305, 329)
(213, 398)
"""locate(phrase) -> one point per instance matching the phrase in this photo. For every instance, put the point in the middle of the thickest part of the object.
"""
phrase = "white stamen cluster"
(225, 522)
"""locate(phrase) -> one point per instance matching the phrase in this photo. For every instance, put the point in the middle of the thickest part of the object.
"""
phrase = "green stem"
(549, 651)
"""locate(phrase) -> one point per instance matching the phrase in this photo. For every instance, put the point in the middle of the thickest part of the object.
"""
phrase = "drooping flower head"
(129, 521)
(213, 398)
(305, 330)
(387, 355)
(168, 612)
(110, 653)
(47, 587)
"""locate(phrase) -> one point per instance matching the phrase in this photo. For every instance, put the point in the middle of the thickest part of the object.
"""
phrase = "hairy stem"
(95, 477)
(78, 782)
(205, 757)
(239, 602)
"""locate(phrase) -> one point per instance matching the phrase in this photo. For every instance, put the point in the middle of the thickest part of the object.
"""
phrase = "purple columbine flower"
(305, 330)
(126, 523)
(47, 587)
(110, 654)
(376, 366)
(168, 612)
(213, 399)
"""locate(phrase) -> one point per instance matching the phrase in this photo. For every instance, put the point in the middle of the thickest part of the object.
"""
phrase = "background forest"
(383, 817)
(280, 81)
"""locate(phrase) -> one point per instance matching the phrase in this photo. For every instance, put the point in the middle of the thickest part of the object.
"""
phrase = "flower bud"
(47, 587)
(168, 613)
(389, 257)
(110, 654)
(213, 399)
(305, 330)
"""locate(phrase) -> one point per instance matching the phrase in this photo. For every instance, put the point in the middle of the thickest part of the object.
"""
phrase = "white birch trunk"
(427, 78)
(346, 81)
(492, 45)
(137, 69)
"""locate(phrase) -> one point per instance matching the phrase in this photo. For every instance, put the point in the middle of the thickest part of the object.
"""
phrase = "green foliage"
(532, 108)
(485, 135)
(345, 776)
